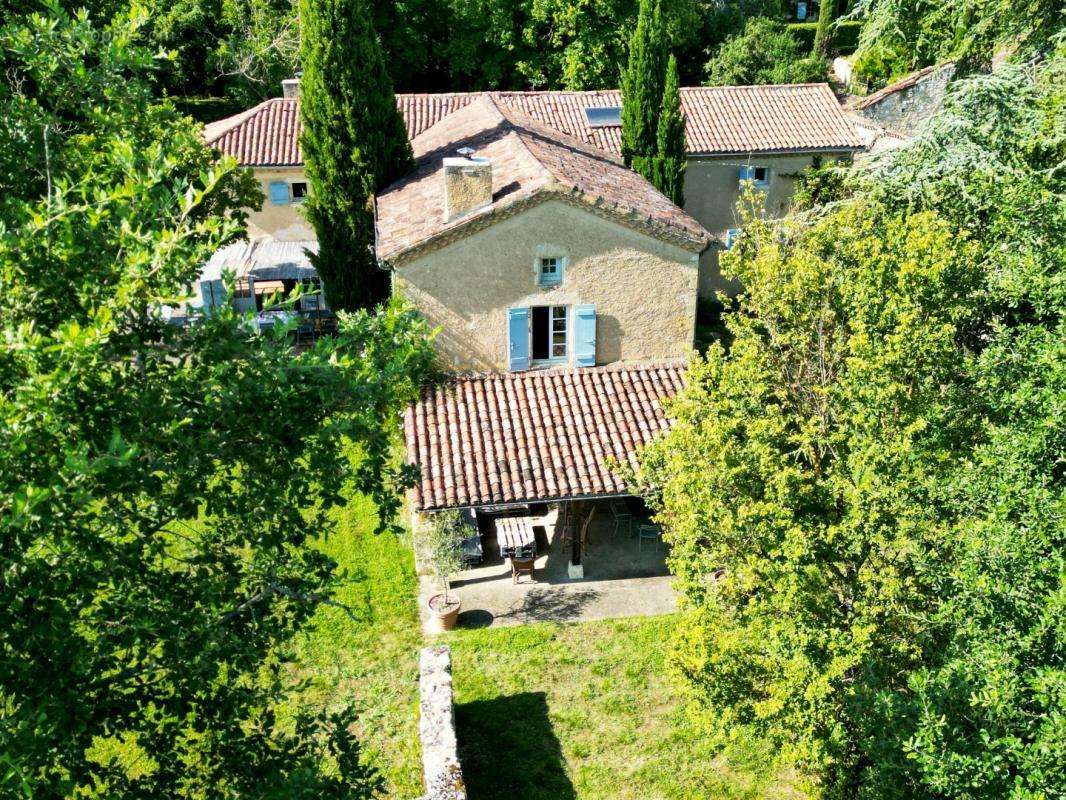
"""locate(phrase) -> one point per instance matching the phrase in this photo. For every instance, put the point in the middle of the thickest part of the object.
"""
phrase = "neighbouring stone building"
(902, 106)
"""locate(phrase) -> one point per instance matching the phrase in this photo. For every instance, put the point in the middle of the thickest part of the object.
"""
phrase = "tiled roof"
(530, 162)
(534, 436)
(721, 120)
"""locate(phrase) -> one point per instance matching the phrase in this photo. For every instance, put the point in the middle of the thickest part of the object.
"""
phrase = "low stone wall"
(441, 772)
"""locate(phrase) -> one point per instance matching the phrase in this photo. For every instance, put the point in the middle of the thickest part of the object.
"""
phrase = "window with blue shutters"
(517, 338)
(585, 336)
(279, 193)
(731, 237)
(760, 176)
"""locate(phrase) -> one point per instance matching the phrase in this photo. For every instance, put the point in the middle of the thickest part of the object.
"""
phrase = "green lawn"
(543, 711)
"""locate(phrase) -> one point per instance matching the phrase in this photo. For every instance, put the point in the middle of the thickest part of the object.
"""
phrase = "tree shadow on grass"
(507, 749)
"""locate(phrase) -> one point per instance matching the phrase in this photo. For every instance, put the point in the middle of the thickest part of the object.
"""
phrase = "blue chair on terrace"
(648, 531)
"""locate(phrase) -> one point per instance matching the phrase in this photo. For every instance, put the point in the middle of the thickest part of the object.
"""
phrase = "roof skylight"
(604, 117)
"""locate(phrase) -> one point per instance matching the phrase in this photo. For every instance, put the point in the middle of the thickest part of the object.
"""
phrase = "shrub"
(766, 52)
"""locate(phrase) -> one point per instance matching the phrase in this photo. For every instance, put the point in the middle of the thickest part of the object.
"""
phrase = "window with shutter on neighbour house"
(731, 237)
(299, 191)
(278, 191)
(760, 176)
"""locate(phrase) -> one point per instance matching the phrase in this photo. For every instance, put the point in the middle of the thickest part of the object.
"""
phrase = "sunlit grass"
(544, 711)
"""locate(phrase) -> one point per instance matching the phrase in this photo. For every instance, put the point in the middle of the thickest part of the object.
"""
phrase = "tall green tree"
(160, 485)
(642, 85)
(823, 34)
(354, 143)
(864, 494)
(671, 151)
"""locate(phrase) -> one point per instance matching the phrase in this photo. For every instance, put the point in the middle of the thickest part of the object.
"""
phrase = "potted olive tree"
(442, 542)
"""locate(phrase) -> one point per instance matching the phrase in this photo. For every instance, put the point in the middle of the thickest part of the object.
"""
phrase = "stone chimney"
(467, 184)
(290, 88)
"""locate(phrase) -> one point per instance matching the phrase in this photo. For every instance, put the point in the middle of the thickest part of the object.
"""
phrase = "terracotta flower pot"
(444, 615)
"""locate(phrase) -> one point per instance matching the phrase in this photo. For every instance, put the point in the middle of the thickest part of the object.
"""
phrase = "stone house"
(767, 134)
(563, 285)
(530, 248)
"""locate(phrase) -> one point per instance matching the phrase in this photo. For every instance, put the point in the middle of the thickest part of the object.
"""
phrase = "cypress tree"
(354, 143)
(642, 86)
(823, 34)
(670, 140)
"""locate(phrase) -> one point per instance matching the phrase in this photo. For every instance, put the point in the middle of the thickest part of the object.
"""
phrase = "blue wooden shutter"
(747, 173)
(585, 336)
(517, 338)
(279, 193)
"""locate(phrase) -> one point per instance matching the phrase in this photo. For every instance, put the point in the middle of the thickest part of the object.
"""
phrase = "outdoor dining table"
(272, 317)
(515, 536)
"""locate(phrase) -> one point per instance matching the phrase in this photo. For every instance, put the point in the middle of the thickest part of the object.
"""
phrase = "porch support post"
(576, 569)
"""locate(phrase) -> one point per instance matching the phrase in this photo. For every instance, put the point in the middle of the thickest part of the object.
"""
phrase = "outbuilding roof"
(530, 163)
(721, 120)
(264, 259)
(535, 436)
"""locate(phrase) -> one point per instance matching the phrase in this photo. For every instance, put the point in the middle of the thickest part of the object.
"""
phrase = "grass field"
(543, 711)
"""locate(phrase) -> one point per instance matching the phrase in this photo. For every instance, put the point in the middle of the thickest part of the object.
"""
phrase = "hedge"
(845, 35)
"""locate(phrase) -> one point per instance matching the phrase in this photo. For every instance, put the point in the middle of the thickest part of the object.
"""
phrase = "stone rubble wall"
(441, 773)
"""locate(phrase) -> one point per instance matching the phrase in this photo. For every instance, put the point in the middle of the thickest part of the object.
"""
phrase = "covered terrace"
(532, 461)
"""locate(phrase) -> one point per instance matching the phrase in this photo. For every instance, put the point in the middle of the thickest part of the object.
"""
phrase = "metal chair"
(621, 517)
(648, 531)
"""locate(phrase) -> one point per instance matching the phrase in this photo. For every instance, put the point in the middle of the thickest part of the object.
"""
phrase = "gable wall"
(644, 290)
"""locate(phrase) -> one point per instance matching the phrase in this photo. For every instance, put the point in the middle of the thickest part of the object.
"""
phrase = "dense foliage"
(865, 495)
(354, 143)
(766, 52)
(899, 36)
(239, 50)
(160, 484)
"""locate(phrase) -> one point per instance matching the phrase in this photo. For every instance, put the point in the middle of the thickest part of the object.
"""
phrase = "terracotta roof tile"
(721, 120)
(534, 436)
(530, 161)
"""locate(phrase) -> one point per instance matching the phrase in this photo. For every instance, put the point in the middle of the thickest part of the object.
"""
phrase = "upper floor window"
(281, 193)
(549, 270)
(760, 176)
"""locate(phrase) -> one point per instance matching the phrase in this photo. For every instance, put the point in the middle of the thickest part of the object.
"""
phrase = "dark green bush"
(845, 36)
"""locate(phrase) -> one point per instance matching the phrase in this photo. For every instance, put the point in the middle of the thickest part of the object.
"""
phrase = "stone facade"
(644, 290)
(282, 222)
(712, 189)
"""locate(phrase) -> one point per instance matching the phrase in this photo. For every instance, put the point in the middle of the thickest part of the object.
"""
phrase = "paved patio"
(623, 578)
